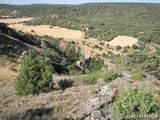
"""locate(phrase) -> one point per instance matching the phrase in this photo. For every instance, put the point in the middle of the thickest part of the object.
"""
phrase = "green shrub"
(100, 48)
(137, 74)
(92, 78)
(111, 75)
(95, 46)
(110, 52)
(156, 91)
(107, 45)
(125, 50)
(74, 69)
(129, 81)
(133, 102)
(118, 47)
(83, 42)
(35, 76)
(95, 64)
(101, 43)
(128, 46)
(157, 100)
(142, 46)
(147, 61)
(72, 54)
(158, 50)
(94, 92)
(1, 52)
(63, 84)
(72, 42)
(135, 46)
(104, 55)
(11, 59)
(10, 53)
(32, 31)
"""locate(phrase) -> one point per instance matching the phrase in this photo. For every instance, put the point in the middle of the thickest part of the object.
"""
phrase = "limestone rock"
(100, 82)
(106, 90)
(24, 53)
(95, 115)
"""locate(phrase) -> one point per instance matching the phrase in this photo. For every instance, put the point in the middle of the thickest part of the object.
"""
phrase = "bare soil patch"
(55, 32)
(123, 41)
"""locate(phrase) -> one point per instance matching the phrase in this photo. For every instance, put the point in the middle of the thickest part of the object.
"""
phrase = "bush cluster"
(111, 75)
(146, 61)
(118, 47)
(92, 78)
(63, 84)
(137, 74)
(133, 102)
(95, 64)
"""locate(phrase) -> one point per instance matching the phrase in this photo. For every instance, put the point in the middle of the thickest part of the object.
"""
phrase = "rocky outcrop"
(97, 106)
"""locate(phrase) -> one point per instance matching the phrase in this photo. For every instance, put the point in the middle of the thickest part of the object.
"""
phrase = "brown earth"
(123, 41)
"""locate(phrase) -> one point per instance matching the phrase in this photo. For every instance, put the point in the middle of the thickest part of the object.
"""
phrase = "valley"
(79, 62)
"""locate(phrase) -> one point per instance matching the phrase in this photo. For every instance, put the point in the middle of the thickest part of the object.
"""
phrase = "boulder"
(100, 82)
(106, 90)
(95, 115)
(24, 53)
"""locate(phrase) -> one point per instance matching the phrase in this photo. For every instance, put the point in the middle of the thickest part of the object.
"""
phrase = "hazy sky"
(70, 1)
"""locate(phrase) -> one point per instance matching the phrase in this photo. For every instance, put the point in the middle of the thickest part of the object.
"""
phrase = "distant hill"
(103, 21)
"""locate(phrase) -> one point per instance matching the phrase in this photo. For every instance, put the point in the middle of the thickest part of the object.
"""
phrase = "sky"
(70, 1)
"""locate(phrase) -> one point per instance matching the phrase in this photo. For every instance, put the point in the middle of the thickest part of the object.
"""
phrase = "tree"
(35, 76)
(118, 47)
(95, 64)
(72, 54)
(135, 46)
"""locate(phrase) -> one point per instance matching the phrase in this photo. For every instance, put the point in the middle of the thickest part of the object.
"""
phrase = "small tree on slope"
(35, 76)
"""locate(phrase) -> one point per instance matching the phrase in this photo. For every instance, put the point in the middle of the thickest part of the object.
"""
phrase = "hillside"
(103, 21)
(80, 62)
